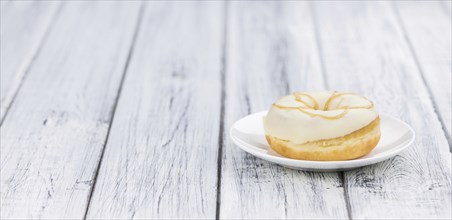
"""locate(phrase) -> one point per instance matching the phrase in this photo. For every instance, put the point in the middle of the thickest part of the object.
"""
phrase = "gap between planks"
(115, 105)
(421, 74)
(222, 108)
(43, 39)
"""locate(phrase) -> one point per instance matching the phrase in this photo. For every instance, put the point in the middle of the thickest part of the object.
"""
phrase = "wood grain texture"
(271, 52)
(428, 30)
(53, 135)
(364, 50)
(23, 28)
(161, 158)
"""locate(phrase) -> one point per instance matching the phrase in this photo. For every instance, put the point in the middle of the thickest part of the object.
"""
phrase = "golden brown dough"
(351, 146)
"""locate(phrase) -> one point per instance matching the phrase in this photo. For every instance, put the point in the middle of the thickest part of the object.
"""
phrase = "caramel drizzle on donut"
(327, 103)
(298, 95)
(313, 114)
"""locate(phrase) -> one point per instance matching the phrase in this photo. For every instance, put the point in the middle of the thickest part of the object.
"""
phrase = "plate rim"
(359, 162)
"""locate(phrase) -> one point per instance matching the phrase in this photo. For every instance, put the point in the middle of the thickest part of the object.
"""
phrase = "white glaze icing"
(298, 119)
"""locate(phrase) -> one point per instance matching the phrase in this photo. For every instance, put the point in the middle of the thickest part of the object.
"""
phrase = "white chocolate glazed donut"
(322, 126)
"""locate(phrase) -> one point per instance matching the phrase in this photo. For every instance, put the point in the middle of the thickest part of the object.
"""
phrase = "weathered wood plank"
(53, 136)
(447, 5)
(23, 28)
(271, 52)
(429, 32)
(366, 52)
(161, 158)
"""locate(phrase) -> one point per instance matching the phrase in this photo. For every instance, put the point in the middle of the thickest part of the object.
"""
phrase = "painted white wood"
(429, 32)
(364, 50)
(53, 135)
(447, 5)
(23, 28)
(271, 52)
(161, 158)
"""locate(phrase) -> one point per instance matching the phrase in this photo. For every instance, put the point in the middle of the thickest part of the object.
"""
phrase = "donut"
(322, 126)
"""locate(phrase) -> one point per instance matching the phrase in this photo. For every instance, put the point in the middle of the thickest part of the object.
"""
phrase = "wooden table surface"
(121, 110)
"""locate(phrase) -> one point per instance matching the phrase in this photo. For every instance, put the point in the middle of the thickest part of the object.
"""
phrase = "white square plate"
(248, 134)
